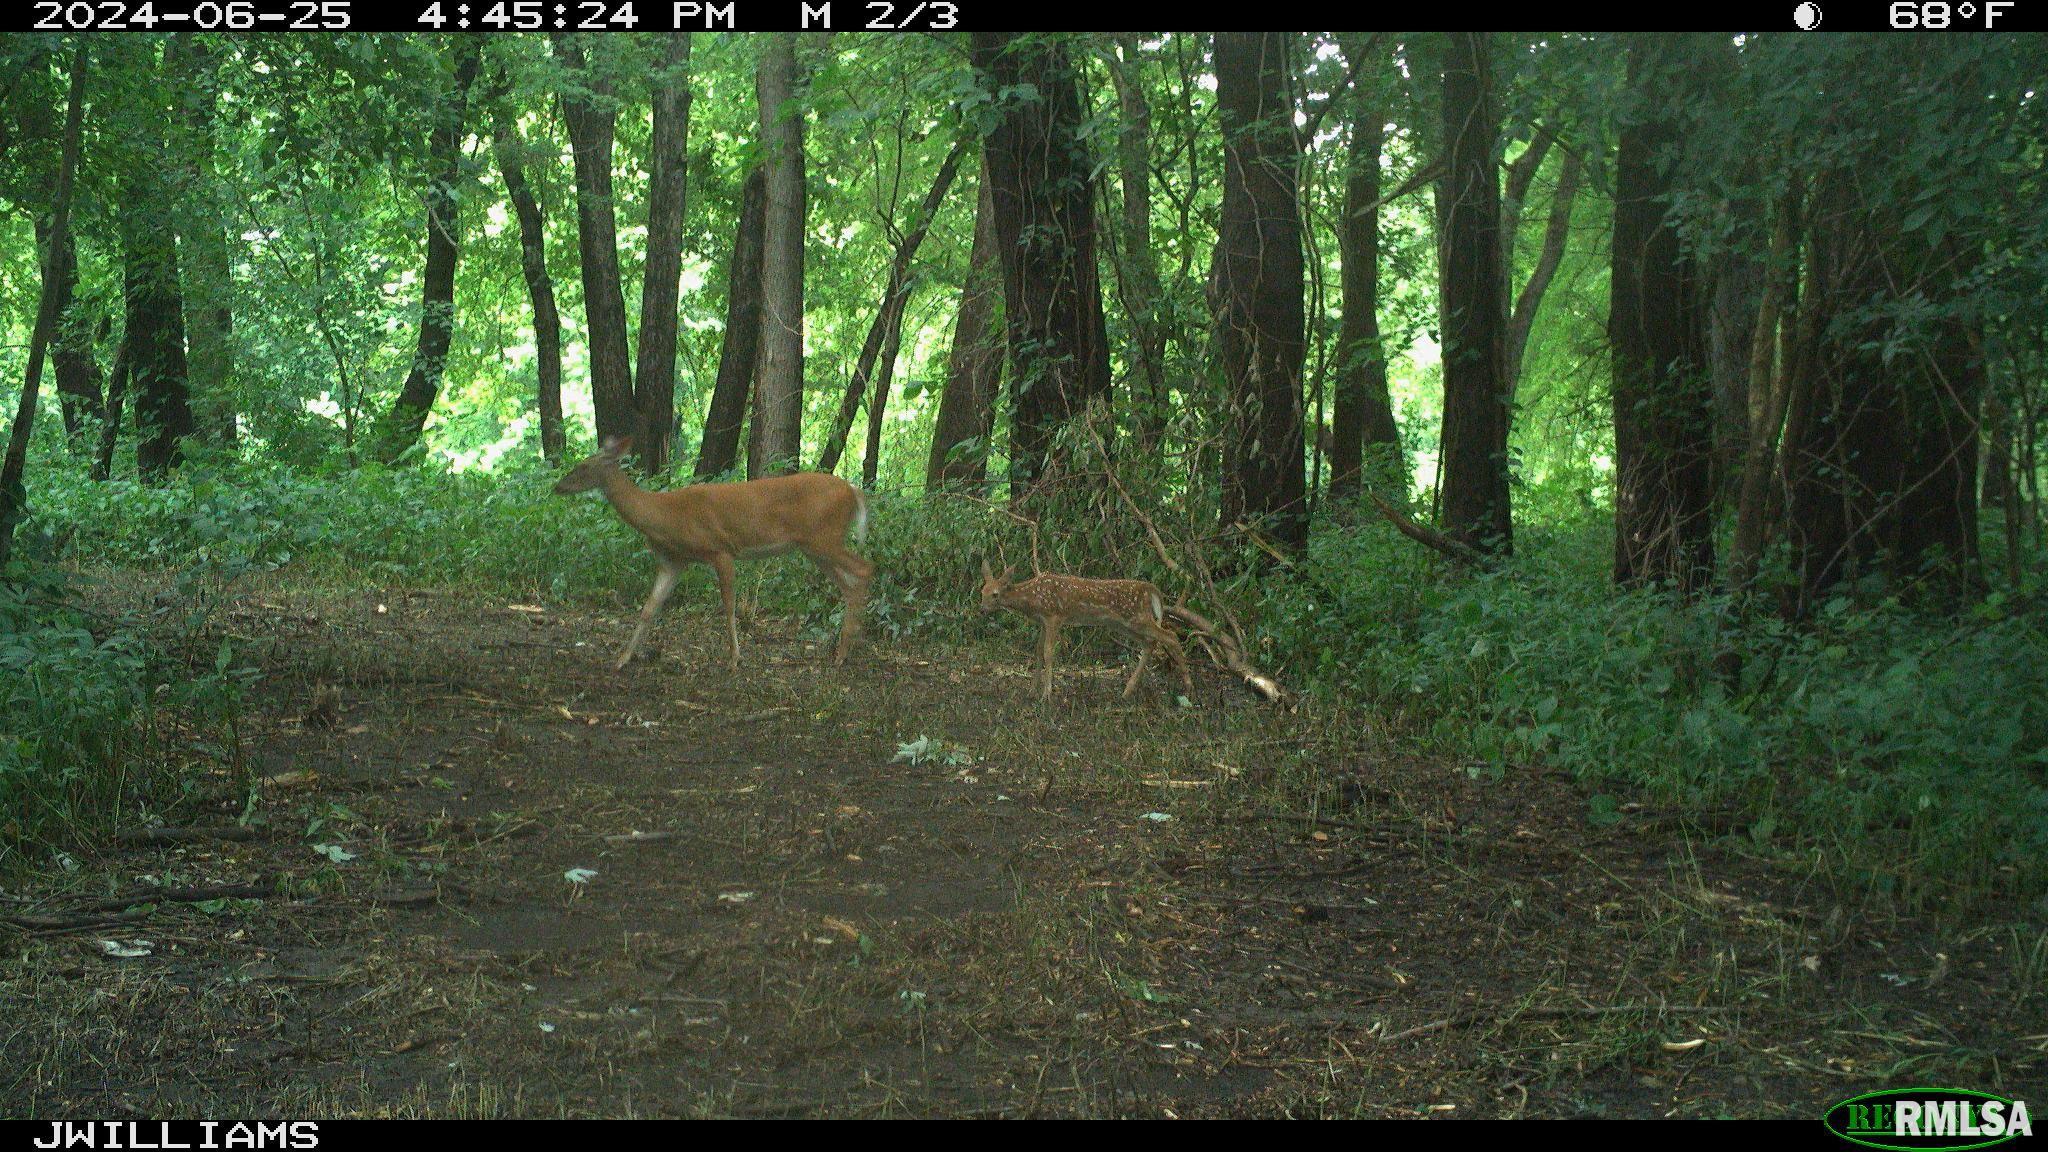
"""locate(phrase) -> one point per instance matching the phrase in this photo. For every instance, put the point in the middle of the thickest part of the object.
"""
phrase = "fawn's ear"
(618, 446)
(987, 577)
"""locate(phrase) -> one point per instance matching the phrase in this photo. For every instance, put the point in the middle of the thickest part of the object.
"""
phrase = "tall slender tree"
(719, 448)
(399, 430)
(13, 494)
(974, 367)
(203, 237)
(1362, 420)
(776, 435)
(1476, 508)
(667, 200)
(591, 114)
(509, 148)
(887, 327)
(1259, 312)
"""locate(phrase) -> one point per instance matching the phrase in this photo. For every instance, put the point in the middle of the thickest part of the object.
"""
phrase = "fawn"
(1131, 607)
(717, 524)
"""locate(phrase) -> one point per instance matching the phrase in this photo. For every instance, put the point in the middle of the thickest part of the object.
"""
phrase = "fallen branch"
(183, 896)
(639, 837)
(1456, 549)
(169, 835)
(1233, 655)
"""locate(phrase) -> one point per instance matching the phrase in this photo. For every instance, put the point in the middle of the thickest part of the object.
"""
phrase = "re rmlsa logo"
(1929, 1119)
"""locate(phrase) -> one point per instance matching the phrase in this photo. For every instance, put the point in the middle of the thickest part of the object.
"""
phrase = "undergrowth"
(1900, 753)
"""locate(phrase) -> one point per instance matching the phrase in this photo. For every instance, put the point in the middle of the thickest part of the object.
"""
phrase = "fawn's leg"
(722, 564)
(664, 583)
(1048, 641)
(1138, 669)
(1179, 656)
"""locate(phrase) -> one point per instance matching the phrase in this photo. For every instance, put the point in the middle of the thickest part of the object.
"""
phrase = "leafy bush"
(88, 720)
(1908, 750)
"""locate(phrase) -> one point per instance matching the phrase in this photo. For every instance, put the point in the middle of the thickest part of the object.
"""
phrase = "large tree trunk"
(888, 323)
(1474, 468)
(510, 150)
(13, 491)
(775, 438)
(1142, 296)
(719, 449)
(203, 238)
(1362, 420)
(591, 116)
(667, 200)
(1663, 400)
(399, 431)
(1259, 314)
(1038, 166)
(974, 367)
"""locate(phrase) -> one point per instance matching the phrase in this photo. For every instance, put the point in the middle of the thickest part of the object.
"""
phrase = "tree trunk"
(1771, 378)
(203, 237)
(510, 150)
(1259, 313)
(667, 200)
(1043, 186)
(1555, 233)
(888, 323)
(974, 368)
(155, 330)
(871, 461)
(719, 449)
(13, 490)
(775, 439)
(110, 427)
(71, 347)
(1474, 467)
(399, 431)
(1663, 399)
(591, 116)
(1362, 421)
(1140, 267)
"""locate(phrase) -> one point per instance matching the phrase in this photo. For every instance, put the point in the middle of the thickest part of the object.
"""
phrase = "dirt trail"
(1323, 925)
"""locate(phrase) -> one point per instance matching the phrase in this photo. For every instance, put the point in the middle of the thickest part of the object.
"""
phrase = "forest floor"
(1101, 907)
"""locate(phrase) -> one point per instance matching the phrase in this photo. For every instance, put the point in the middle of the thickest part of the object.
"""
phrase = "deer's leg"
(1138, 669)
(664, 583)
(851, 574)
(1179, 656)
(722, 564)
(1048, 642)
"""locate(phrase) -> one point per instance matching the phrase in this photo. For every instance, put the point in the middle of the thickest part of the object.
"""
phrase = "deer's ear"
(1009, 574)
(986, 575)
(618, 446)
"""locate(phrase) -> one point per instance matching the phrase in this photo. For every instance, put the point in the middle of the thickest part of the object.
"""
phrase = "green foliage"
(1904, 750)
(91, 716)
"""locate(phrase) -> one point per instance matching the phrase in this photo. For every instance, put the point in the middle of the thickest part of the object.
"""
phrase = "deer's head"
(592, 472)
(993, 586)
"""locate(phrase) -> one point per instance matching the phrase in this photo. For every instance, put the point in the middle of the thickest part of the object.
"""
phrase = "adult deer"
(1131, 607)
(717, 524)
